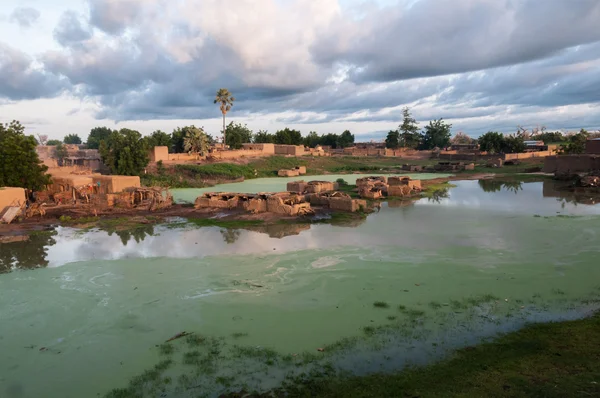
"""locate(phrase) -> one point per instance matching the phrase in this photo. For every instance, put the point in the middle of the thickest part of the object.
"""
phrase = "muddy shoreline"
(86, 216)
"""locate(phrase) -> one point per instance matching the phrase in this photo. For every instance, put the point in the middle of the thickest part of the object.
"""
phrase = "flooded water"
(280, 184)
(82, 313)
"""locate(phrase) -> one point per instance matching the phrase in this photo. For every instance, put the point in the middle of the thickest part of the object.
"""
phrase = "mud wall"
(159, 153)
(10, 196)
(592, 147)
(569, 164)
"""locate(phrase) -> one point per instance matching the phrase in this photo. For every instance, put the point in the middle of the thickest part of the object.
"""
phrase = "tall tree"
(196, 140)
(53, 142)
(264, 137)
(159, 138)
(491, 142)
(312, 139)
(20, 165)
(392, 141)
(72, 139)
(575, 143)
(346, 139)
(225, 101)
(97, 135)
(288, 136)
(409, 130)
(61, 154)
(238, 134)
(177, 138)
(436, 135)
(514, 144)
(125, 152)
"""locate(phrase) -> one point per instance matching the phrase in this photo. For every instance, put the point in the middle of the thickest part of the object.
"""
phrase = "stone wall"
(592, 147)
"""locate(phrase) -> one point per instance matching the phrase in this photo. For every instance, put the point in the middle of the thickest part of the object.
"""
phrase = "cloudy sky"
(327, 65)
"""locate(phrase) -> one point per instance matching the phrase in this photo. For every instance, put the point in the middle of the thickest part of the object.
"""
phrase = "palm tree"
(195, 140)
(225, 101)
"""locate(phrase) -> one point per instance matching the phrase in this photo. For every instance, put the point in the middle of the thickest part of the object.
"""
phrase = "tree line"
(435, 135)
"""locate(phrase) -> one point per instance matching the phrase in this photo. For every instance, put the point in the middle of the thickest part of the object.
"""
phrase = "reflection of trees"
(438, 195)
(28, 254)
(281, 230)
(490, 185)
(230, 235)
(138, 234)
(496, 186)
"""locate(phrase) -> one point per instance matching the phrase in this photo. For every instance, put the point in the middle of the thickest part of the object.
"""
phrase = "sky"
(67, 66)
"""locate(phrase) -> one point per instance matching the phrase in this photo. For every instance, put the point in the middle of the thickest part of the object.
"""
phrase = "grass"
(381, 304)
(543, 360)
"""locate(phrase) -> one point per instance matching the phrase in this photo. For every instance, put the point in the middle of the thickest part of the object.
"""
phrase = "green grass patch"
(381, 304)
(543, 360)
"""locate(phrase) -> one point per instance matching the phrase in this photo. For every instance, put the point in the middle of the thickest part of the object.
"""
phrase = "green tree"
(238, 134)
(97, 135)
(72, 139)
(436, 135)
(409, 130)
(392, 141)
(61, 154)
(20, 165)
(312, 139)
(288, 137)
(514, 144)
(53, 142)
(125, 152)
(461, 138)
(575, 143)
(330, 139)
(491, 142)
(263, 137)
(346, 139)
(177, 137)
(195, 140)
(225, 101)
(159, 138)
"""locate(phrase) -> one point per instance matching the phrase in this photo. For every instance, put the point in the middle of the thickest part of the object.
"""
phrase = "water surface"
(478, 259)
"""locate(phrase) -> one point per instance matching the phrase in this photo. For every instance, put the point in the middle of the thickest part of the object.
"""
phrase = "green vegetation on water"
(542, 360)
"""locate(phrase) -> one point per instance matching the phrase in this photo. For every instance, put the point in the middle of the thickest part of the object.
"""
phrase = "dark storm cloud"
(437, 37)
(24, 16)
(70, 30)
(21, 80)
(473, 61)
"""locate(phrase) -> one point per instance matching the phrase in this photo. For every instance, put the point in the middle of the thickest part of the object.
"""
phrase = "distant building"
(76, 156)
(535, 146)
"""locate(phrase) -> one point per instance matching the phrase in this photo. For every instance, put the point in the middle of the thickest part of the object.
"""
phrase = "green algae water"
(280, 184)
(86, 314)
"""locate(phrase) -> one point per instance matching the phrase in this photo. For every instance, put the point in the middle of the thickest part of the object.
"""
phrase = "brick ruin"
(298, 201)
(378, 187)
(295, 172)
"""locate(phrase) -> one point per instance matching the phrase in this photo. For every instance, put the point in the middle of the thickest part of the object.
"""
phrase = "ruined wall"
(294, 150)
(347, 204)
(592, 147)
(68, 182)
(296, 186)
(159, 153)
(527, 155)
(238, 153)
(288, 173)
(11, 196)
(320, 186)
(115, 184)
(267, 149)
(569, 164)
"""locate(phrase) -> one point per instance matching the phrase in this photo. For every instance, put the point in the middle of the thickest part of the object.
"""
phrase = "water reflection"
(489, 185)
(425, 224)
(137, 234)
(26, 254)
